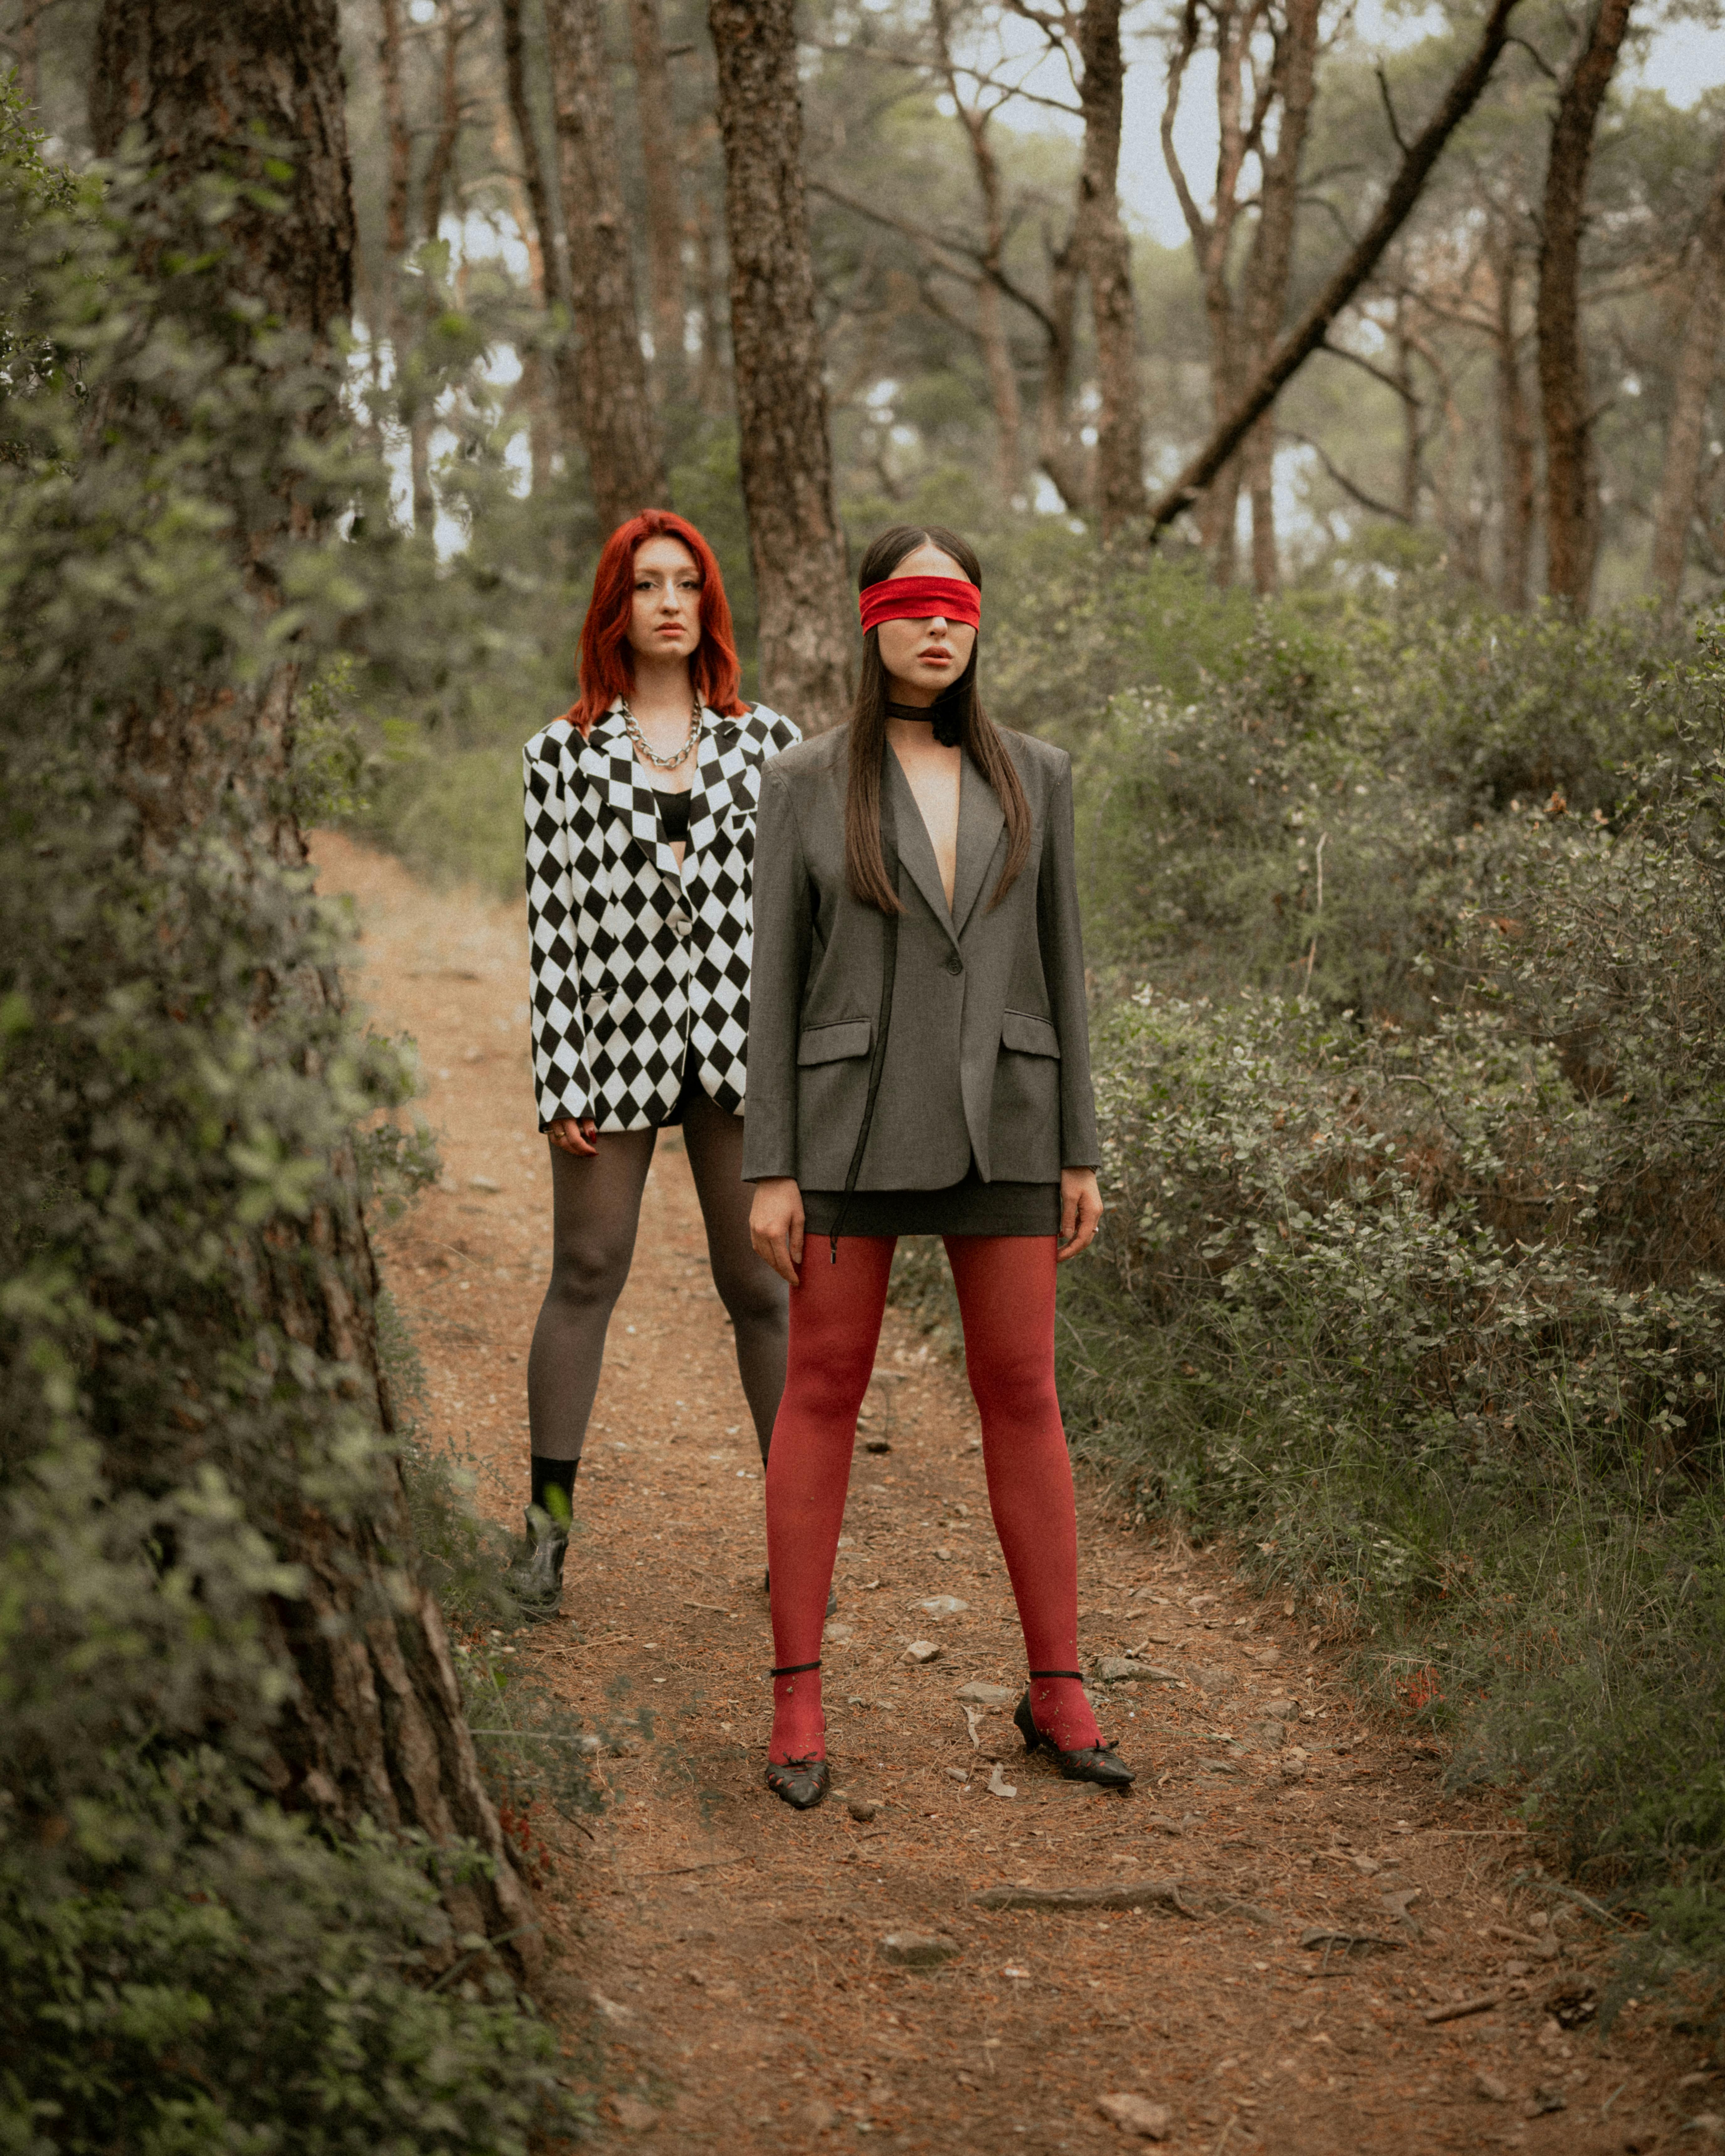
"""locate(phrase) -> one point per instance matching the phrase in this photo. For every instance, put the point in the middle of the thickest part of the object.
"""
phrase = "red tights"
(1006, 1296)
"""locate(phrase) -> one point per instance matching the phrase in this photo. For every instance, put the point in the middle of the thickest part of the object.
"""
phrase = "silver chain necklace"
(661, 762)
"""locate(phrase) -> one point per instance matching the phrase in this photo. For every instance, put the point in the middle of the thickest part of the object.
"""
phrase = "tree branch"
(922, 238)
(1353, 492)
(1395, 127)
(1377, 374)
(1310, 332)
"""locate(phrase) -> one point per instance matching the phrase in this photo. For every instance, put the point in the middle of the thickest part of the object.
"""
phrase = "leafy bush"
(1315, 820)
(1430, 1315)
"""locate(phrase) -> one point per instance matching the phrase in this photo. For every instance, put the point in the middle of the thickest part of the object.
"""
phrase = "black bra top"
(674, 810)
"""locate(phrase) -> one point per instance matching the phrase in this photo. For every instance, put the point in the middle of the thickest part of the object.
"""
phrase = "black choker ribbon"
(943, 715)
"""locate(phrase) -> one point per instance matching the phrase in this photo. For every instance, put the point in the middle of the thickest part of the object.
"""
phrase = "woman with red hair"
(640, 813)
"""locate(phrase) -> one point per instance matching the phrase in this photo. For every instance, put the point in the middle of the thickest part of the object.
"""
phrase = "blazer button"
(681, 924)
(955, 964)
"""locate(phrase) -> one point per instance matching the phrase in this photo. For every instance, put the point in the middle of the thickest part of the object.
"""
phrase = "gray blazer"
(988, 1052)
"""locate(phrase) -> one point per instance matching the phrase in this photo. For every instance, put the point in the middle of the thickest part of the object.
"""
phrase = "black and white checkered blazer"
(635, 967)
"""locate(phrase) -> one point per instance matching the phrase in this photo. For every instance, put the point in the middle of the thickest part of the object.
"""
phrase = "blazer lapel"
(914, 849)
(711, 796)
(981, 821)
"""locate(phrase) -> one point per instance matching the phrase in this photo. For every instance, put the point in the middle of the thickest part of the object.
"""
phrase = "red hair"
(606, 662)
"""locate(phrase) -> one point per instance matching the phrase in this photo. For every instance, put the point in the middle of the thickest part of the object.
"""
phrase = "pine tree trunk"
(1697, 366)
(603, 383)
(1571, 482)
(1003, 389)
(1517, 475)
(541, 236)
(657, 126)
(990, 326)
(28, 50)
(1269, 261)
(440, 166)
(709, 288)
(1258, 468)
(374, 1729)
(1106, 256)
(808, 616)
(1409, 490)
(531, 206)
(1060, 457)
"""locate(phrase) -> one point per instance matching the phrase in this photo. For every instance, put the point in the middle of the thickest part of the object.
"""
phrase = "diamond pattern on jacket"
(632, 965)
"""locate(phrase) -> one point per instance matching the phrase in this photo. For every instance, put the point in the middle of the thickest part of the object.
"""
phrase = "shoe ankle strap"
(793, 1670)
(1078, 1674)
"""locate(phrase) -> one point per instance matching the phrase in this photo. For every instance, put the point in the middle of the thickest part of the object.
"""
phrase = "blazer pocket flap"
(832, 1044)
(1028, 1035)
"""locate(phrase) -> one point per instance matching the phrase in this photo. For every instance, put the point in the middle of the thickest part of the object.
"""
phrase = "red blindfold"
(918, 598)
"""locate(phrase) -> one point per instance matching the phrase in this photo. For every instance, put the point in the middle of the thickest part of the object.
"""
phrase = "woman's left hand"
(1080, 1212)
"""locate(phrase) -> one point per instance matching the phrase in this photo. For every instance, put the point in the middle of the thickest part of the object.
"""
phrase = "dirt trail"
(731, 1951)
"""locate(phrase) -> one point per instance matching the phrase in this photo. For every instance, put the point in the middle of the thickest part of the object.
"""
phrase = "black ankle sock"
(558, 1474)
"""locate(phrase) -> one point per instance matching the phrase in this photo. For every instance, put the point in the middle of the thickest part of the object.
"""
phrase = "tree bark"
(1239, 130)
(1060, 457)
(1411, 443)
(1106, 256)
(398, 234)
(441, 164)
(602, 385)
(1258, 469)
(533, 213)
(395, 123)
(542, 238)
(1571, 482)
(709, 287)
(1517, 476)
(990, 323)
(1309, 333)
(1264, 297)
(1698, 365)
(439, 170)
(807, 614)
(374, 1728)
(28, 50)
(657, 127)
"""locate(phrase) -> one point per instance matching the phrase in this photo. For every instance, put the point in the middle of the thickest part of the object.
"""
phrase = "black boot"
(536, 1579)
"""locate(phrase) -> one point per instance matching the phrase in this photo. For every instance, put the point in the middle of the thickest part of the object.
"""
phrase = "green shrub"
(1428, 1312)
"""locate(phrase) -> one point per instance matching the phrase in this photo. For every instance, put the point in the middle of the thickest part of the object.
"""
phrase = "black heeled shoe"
(802, 1783)
(1092, 1763)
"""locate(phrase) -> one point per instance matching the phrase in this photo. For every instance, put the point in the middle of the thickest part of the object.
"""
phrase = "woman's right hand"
(776, 1225)
(574, 1136)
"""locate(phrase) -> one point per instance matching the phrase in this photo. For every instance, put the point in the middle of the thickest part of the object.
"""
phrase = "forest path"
(730, 1952)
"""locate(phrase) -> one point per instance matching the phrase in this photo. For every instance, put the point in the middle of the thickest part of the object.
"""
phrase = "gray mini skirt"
(970, 1208)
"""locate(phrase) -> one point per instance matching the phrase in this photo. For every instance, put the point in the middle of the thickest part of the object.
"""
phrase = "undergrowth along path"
(1278, 1941)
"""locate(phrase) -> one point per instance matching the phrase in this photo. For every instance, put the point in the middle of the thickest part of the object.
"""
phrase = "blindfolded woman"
(919, 1065)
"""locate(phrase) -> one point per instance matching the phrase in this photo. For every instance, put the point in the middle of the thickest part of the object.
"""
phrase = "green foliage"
(1317, 819)
(1427, 1310)
(1069, 625)
(185, 1965)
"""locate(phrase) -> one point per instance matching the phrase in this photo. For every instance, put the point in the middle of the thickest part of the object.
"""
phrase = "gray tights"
(596, 1208)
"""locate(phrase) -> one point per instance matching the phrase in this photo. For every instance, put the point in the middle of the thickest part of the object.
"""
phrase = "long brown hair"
(865, 863)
